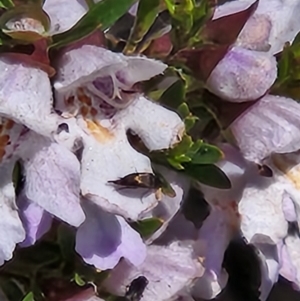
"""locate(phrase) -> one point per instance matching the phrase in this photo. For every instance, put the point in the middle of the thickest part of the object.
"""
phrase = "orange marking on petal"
(100, 133)
(84, 111)
(4, 140)
(94, 112)
(9, 124)
(70, 100)
(83, 98)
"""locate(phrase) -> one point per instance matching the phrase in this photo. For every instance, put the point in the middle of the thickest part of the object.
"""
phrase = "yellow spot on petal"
(290, 168)
(158, 194)
(100, 133)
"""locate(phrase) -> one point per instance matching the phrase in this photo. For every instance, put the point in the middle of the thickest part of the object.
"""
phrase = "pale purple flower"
(270, 126)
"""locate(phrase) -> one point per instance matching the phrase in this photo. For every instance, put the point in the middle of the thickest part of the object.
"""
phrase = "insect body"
(136, 289)
(145, 180)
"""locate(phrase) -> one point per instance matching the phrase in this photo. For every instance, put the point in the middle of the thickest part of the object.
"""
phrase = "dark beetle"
(136, 289)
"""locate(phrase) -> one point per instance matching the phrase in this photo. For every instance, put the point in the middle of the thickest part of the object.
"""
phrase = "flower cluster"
(70, 134)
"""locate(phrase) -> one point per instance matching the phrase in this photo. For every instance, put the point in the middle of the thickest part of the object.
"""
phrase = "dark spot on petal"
(78, 148)
(63, 127)
(293, 229)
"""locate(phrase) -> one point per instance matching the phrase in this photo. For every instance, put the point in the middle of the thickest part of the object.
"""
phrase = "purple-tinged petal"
(35, 220)
(10, 133)
(243, 75)
(26, 97)
(289, 208)
(64, 14)
(269, 126)
(288, 270)
(103, 239)
(283, 16)
(52, 178)
(74, 73)
(213, 239)
(11, 228)
(291, 260)
(269, 263)
(168, 206)
(169, 270)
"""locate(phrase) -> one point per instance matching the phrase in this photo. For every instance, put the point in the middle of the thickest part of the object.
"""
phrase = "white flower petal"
(269, 126)
(109, 161)
(26, 97)
(261, 210)
(243, 75)
(142, 115)
(52, 178)
(169, 270)
(64, 14)
(11, 228)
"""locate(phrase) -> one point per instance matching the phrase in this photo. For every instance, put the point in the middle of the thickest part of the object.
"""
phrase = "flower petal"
(10, 133)
(110, 161)
(52, 178)
(214, 237)
(64, 14)
(26, 97)
(169, 270)
(11, 228)
(283, 16)
(168, 207)
(35, 220)
(166, 126)
(269, 264)
(103, 239)
(243, 75)
(269, 126)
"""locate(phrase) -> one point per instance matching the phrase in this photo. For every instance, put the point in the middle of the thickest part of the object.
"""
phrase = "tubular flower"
(98, 94)
(249, 69)
(269, 126)
(256, 204)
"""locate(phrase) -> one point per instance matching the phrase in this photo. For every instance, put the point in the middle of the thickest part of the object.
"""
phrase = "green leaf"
(146, 15)
(6, 4)
(101, 16)
(208, 174)
(174, 96)
(189, 122)
(175, 164)
(181, 148)
(78, 280)
(147, 226)
(29, 297)
(207, 154)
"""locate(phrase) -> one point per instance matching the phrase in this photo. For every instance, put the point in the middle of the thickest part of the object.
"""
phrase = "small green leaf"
(207, 154)
(189, 122)
(183, 158)
(174, 96)
(175, 164)
(181, 148)
(208, 174)
(101, 16)
(183, 110)
(29, 297)
(147, 226)
(146, 15)
(6, 4)
(78, 280)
